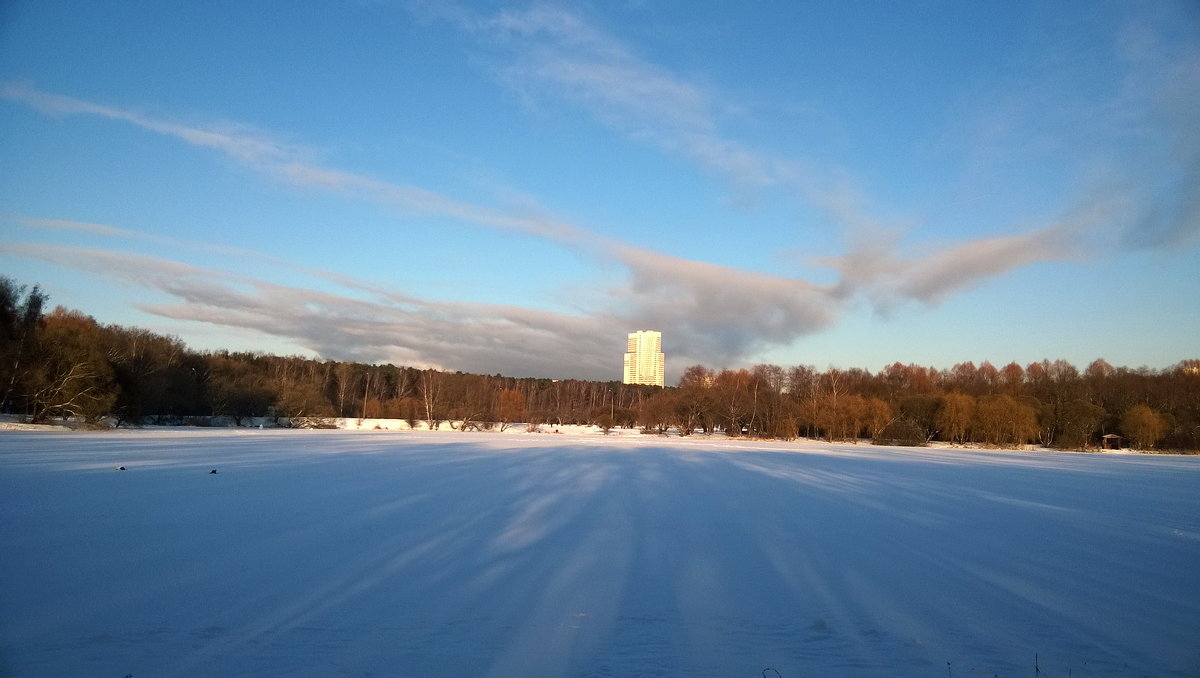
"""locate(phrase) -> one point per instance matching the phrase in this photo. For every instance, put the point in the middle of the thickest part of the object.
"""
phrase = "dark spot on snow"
(120, 468)
(212, 472)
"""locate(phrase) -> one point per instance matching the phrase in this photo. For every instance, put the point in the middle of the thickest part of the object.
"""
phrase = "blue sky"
(512, 187)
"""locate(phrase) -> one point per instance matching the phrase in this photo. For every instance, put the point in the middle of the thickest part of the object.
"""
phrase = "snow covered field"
(375, 553)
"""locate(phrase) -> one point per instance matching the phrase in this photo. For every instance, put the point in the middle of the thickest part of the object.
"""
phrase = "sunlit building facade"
(644, 360)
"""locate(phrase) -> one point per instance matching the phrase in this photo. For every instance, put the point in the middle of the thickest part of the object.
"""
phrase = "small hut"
(1111, 441)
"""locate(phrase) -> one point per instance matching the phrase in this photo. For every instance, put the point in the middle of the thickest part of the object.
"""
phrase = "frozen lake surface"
(360, 553)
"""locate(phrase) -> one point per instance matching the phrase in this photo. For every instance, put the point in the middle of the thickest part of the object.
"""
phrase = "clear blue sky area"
(495, 187)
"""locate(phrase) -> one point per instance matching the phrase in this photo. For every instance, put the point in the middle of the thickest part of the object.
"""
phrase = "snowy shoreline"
(350, 424)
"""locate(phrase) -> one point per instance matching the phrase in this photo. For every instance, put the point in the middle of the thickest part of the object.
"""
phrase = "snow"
(379, 553)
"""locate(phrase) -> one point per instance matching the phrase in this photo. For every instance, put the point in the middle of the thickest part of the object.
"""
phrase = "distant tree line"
(63, 364)
(1045, 403)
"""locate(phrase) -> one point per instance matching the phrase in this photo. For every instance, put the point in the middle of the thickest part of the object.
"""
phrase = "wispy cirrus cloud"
(238, 142)
(296, 165)
(1163, 86)
(107, 231)
(557, 54)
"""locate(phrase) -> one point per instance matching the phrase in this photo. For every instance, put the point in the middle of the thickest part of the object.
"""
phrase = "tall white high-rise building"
(644, 361)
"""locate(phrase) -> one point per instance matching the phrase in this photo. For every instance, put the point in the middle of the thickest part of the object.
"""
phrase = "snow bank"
(321, 553)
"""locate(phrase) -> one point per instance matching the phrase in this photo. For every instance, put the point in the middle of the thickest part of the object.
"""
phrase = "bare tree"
(1004, 420)
(72, 376)
(878, 416)
(1079, 421)
(510, 407)
(1144, 426)
(431, 397)
(657, 412)
(954, 416)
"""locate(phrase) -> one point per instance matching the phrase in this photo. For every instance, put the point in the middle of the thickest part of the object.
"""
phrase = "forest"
(63, 364)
